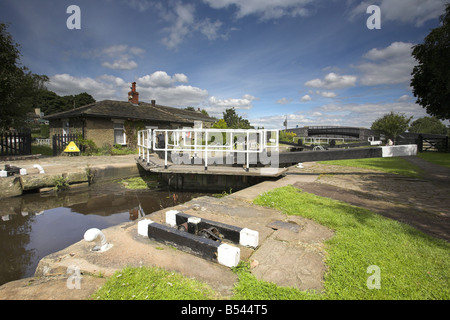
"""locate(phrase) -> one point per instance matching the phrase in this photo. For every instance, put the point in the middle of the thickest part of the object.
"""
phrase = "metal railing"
(204, 144)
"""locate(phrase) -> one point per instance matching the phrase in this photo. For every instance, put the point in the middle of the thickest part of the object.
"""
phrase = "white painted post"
(139, 143)
(143, 227)
(206, 150)
(228, 256)
(171, 217)
(165, 150)
(249, 238)
(247, 150)
(147, 144)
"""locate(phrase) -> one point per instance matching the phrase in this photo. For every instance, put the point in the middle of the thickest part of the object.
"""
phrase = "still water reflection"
(33, 226)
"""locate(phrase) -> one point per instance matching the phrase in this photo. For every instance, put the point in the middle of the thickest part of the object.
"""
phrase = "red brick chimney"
(133, 96)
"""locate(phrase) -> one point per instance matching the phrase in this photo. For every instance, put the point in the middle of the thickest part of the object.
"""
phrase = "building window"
(119, 134)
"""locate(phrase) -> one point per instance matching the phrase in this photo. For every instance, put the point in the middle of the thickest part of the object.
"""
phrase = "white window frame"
(121, 122)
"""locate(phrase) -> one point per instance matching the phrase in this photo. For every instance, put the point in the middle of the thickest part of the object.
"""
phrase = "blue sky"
(315, 62)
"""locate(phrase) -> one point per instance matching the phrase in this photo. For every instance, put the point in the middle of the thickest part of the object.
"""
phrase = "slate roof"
(127, 110)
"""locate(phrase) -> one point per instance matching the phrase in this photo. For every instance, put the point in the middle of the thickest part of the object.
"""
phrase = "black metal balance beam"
(208, 249)
(243, 236)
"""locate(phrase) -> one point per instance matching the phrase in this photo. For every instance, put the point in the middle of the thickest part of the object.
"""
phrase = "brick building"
(116, 122)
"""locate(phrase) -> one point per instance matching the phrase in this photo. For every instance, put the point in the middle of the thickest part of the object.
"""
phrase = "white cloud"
(209, 29)
(404, 98)
(333, 81)
(120, 65)
(306, 98)
(406, 11)
(416, 11)
(266, 9)
(364, 114)
(176, 96)
(216, 106)
(158, 86)
(121, 55)
(390, 65)
(284, 101)
(116, 57)
(161, 79)
(326, 94)
(354, 115)
(243, 103)
(182, 17)
(140, 5)
(112, 79)
(183, 24)
(122, 51)
(163, 88)
(101, 88)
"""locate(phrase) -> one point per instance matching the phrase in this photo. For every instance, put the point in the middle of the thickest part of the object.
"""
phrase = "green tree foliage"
(18, 86)
(220, 124)
(391, 125)
(234, 121)
(203, 111)
(50, 102)
(428, 125)
(431, 77)
(287, 136)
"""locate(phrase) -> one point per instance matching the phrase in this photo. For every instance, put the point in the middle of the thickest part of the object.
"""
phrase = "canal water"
(35, 225)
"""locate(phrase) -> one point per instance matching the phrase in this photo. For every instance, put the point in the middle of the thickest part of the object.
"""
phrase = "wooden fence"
(15, 143)
(60, 142)
(425, 141)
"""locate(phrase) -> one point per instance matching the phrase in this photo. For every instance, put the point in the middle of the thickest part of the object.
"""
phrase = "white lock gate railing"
(207, 143)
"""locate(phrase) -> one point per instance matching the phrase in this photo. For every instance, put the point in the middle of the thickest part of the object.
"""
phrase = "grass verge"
(152, 283)
(442, 159)
(390, 165)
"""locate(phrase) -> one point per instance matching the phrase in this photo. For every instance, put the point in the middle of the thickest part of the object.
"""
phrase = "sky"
(316, 63)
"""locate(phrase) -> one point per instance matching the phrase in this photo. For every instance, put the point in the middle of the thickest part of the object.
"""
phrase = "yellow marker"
(72, 147)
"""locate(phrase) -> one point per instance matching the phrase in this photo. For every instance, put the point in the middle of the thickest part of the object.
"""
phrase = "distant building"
(36, 117)
(109, 122)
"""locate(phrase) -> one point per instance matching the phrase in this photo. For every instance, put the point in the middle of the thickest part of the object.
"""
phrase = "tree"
(428, 125)
(78, 100)
(18, 86)
(391, 125)
(203, 111)
(49, 102)
(220, 124)
(234, 121)
(431, 77)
